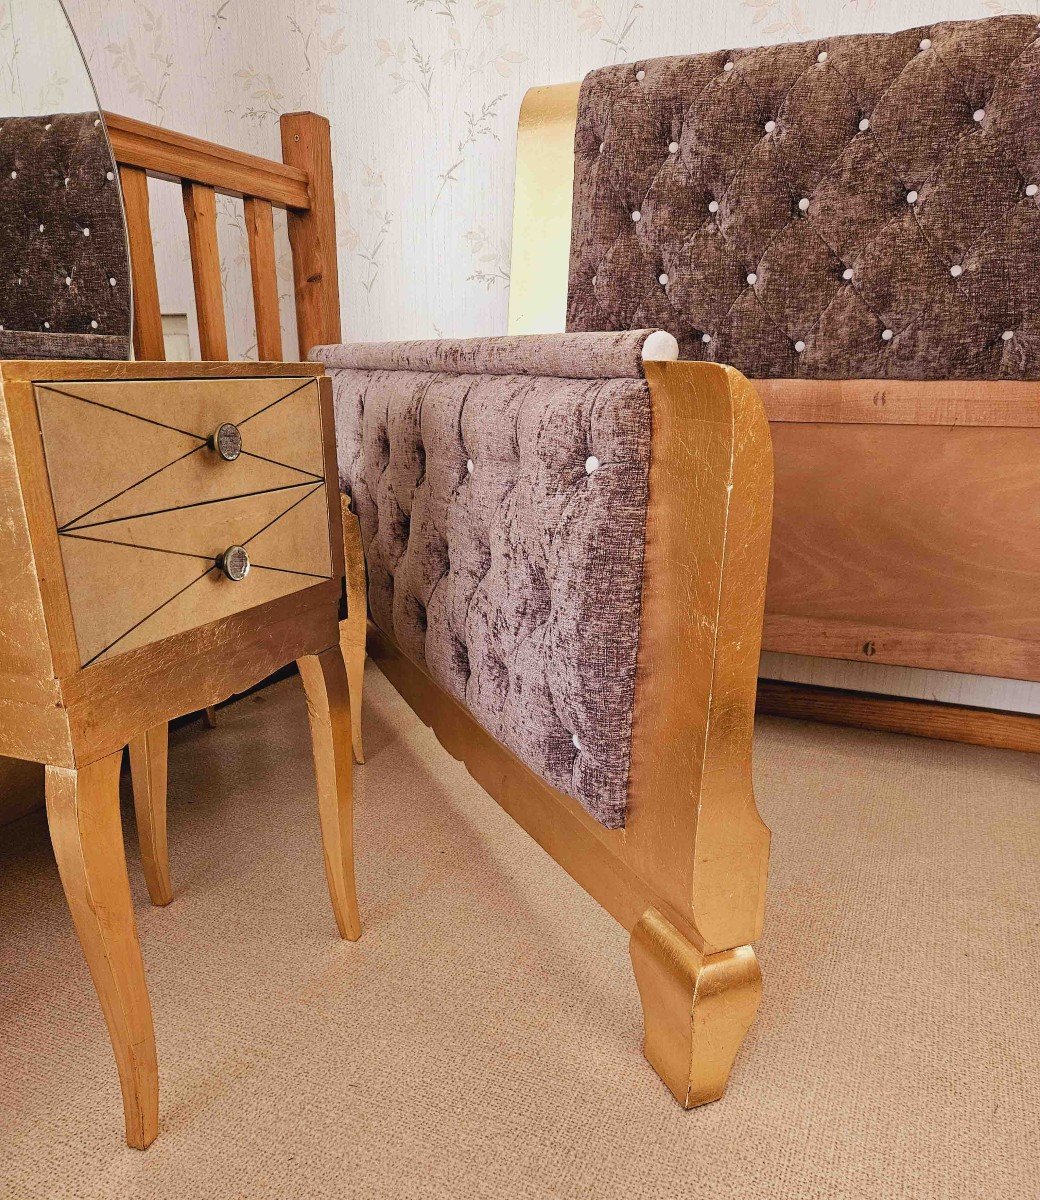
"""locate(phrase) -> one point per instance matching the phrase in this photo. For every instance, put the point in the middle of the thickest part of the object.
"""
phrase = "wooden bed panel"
(907, 543)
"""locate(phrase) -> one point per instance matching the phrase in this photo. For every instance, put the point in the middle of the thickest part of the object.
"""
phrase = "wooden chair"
(302, 185)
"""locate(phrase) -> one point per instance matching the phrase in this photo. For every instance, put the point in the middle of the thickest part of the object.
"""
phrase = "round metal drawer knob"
(227, 441)
(234, 562)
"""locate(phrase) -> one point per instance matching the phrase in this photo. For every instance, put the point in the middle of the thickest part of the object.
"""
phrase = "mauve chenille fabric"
(66, 287)
(503, 516)
(853, 207)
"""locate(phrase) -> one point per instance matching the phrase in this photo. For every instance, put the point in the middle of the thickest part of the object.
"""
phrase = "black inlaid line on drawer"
(129, 488)
(275, 520)
(82, 537)
(246, 420)
(276, 463)
(137, 624)
(46, 387)
(285, 487)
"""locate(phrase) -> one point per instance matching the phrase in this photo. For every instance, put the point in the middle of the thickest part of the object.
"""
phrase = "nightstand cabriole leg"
(353, 632)
(87, 835)
(328, 709)
(148, 758)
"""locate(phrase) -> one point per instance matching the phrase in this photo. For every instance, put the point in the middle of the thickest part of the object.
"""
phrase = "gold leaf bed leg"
(696, 1008)
(354, 630)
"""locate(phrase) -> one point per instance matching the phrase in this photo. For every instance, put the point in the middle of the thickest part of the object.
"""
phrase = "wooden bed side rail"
(301, 184)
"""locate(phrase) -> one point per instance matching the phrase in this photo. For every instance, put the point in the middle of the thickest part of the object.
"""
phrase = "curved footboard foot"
(697, 1008)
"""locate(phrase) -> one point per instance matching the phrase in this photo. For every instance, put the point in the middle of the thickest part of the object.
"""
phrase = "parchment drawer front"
(155, 483)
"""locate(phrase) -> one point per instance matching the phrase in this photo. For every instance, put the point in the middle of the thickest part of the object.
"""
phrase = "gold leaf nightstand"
(170, 536)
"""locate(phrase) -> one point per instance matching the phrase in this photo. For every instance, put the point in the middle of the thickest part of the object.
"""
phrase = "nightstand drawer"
(147, 499)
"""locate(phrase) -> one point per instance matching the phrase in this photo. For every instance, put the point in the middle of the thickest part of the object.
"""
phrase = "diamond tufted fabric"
(65, 291)
(503, 517)
(855, 207)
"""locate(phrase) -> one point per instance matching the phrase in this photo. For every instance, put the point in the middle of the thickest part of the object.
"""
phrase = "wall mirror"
(64, 261)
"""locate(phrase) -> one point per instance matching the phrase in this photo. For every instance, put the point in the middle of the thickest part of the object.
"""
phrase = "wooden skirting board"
(921, 718)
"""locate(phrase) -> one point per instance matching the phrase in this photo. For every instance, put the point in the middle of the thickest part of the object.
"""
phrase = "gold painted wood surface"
(83, 815)
(77, 719)
(145, 505)
(148, 765)
(694, 847)
(353, 632)
(328, 710)
(696, 1009)
(540, 259)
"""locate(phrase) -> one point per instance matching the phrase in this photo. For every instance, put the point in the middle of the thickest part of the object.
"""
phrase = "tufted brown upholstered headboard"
(66, 292)
(855, 207)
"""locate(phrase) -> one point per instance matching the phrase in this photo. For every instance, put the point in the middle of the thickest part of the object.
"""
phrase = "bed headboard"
(854, 223)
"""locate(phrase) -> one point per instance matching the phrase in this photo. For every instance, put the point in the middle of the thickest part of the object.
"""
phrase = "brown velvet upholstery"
(63, 255)
(503, 518)
(915, 157)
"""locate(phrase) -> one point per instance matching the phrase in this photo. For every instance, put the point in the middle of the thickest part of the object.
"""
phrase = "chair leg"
(696, 1008)
(354, 630)
(87, 835)
(148, 756)
(328, 709)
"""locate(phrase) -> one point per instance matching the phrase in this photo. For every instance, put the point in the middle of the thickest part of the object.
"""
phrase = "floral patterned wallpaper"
(423, 97)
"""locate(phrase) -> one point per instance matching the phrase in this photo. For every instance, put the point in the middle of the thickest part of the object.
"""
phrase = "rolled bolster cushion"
(556, 355)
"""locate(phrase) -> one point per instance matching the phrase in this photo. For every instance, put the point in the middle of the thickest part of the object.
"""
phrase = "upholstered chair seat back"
(65, 290)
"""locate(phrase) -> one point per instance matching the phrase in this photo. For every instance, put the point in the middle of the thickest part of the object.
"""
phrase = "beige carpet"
(483, 1037)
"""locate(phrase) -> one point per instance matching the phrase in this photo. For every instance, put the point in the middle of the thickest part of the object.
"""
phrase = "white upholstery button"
(469, 466)
(864, 125)
(673, 147)
(97, 122)
(705, 338)
(640, 75)
(602, 147)
(727, 66)
(110, 175)
(1031, 189)
(14, 174)
(752, 278)
(803, 204)
(86, 232)
(594, 278)
(42, 227)
(887, 335)
(662, 279)
(68, 281)
(956, 270)
(926, 43)
(46, 324)
(591, 464)
(713, 206)
(847, 274)
(111, 281)
(93, 324)
(48, 127)
(637, 215)
(799, 346)
(1007, 335)
(770, 126)
(574, 742)
(822, 56)
(911, 197)
(979, 114)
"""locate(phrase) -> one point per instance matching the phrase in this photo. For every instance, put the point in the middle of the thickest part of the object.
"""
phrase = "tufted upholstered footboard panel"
(501, 488)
